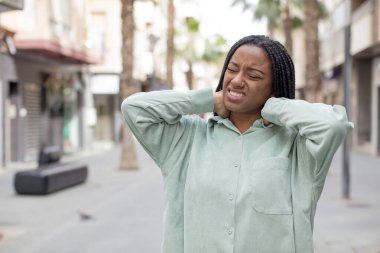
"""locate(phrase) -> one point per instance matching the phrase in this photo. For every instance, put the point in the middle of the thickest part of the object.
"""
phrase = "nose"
(237, 80)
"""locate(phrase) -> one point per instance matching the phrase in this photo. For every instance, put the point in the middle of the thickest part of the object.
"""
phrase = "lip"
(233, 98)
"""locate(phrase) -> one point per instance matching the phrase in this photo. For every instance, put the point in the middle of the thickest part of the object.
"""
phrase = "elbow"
(128, 108)
(130, 102)
(125, 104)
(339, 127)
(125, 107)
(338, 124)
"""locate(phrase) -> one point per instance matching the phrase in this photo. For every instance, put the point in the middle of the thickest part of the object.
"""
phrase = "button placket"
(229, 229)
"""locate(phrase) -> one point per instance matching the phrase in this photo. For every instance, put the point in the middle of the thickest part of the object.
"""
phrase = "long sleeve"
(158, 121)
(320, 130)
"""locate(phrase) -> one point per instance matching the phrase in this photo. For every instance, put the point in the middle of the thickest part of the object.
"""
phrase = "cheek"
(225, 80)
(266, 88)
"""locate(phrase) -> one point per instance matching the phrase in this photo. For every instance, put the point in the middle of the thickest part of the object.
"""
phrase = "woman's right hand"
(219, 107)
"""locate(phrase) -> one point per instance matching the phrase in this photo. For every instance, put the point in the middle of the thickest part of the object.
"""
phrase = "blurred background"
(65, 67)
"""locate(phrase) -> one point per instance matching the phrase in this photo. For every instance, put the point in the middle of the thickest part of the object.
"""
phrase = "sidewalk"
(350, 226)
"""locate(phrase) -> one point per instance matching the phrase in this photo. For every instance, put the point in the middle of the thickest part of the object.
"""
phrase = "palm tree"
(170, 45)
(312, 75)
(215, 48)
(313, 11)
(186, 51)
(272, 10)
(190, 54)
(128, 155)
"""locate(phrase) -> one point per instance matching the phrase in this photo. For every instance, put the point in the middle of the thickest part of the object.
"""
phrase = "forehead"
(252, 56)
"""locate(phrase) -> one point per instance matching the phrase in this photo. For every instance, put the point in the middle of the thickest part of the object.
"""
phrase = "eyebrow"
(249, 68)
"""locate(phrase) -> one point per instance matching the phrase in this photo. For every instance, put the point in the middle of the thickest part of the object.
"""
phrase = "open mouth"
(235, 93)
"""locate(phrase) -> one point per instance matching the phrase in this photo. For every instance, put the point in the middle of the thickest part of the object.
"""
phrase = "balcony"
(365, 21)
(11, 5)
(332, 50)
(362, 27)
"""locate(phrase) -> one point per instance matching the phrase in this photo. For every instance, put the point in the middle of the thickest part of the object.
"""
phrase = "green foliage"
(268, 9)
(246, 5)
(186, 50)
(192, 24)
(297, 22)
(215, 49)
(272, 10)
(323, 12)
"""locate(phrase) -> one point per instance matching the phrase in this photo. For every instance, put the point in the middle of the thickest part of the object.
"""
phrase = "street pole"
(153, 41)
(347, 71)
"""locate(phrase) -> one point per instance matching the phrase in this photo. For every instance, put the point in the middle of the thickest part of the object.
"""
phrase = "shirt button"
(236, 164)
(231, 196)
(230, 231)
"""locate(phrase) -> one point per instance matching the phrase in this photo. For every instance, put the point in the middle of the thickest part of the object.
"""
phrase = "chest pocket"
(270, 186)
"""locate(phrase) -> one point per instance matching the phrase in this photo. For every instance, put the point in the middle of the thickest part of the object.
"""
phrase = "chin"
(234, 108)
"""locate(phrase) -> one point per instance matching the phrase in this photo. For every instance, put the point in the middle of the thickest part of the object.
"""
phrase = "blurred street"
(121, 211)
(125, 209)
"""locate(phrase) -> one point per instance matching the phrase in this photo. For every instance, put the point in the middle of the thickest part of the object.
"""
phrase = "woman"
(248, 179)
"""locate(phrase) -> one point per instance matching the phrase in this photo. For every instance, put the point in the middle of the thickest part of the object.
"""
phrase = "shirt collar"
(259, 123)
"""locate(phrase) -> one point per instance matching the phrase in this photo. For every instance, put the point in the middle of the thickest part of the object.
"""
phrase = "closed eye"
(255, 77)
(232, 70)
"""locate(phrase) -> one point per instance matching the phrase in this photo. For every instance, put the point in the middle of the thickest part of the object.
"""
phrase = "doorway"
(12, 124)
(364, 102)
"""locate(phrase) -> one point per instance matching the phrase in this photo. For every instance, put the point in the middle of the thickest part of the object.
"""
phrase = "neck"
(244, 121)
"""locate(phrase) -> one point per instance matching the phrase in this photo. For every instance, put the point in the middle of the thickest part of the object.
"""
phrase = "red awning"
(57, 51)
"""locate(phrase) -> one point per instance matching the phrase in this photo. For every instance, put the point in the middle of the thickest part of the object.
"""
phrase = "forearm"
(156, 119)
(167, 106)
(310, 120)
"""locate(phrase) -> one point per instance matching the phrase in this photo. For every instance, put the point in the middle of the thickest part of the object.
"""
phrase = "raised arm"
(158, 121)
(320, 130)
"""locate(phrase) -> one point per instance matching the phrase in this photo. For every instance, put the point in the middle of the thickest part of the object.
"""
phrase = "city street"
(121, 211)
(126, 209)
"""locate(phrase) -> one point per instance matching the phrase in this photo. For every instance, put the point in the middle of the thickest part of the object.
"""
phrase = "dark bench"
(50, 178)
(51, 175)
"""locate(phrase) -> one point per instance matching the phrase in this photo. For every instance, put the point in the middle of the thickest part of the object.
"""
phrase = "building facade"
(365, 52)
(45, 100)
(149, 44)
(7, 77)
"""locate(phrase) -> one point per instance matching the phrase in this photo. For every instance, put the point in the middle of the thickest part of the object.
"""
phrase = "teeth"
(236, 94)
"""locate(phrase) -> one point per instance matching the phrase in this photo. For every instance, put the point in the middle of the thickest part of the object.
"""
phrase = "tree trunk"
(287, 22)
(128, 156)
(312, 75)
(170, 45)
(375, 22)
(189, 76)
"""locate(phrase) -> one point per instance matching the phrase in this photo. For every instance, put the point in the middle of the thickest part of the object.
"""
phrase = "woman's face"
(247, 82)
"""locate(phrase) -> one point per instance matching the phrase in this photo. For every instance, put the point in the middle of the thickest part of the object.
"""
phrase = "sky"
(230, 22)
(216, 17)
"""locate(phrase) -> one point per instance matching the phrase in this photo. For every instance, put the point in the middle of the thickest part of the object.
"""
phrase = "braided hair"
(283, 78)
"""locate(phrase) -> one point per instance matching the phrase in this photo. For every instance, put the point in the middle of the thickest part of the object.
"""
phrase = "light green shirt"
(228, 192)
